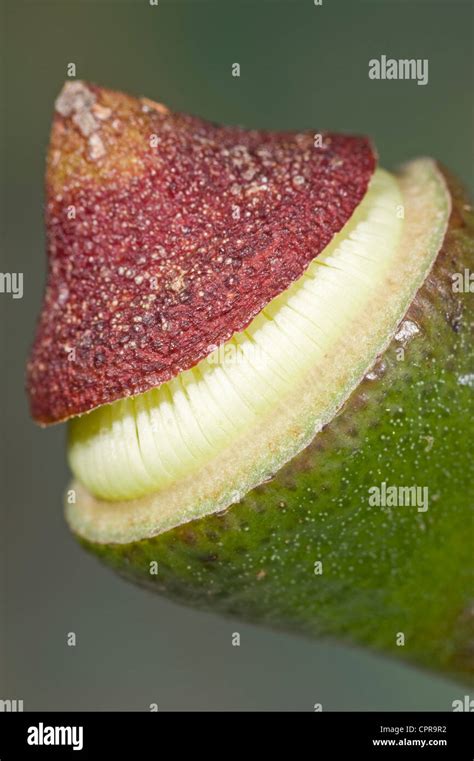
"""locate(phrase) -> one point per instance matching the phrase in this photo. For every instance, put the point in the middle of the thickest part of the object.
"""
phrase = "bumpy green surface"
(385, 571)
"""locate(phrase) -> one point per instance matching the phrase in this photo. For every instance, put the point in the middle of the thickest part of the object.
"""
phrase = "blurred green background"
(301, 66)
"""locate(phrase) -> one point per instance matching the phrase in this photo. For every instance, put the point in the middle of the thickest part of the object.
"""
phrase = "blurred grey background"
(301, 66)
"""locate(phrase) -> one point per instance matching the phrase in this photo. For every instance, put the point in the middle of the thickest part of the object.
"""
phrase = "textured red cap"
(166, 235)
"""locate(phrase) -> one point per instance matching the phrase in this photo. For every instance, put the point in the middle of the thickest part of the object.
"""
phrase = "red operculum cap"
(166, 235)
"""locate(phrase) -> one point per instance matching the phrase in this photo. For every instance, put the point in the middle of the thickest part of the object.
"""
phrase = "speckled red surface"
(166, 235)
